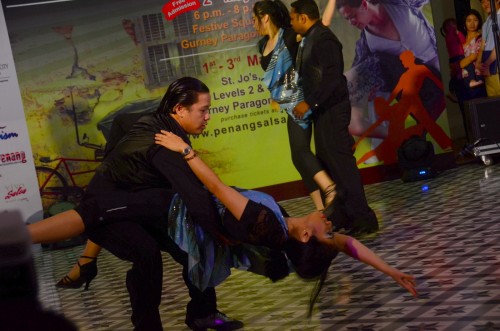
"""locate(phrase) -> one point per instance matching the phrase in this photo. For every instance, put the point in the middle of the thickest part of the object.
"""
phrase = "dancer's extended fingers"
(408, 282)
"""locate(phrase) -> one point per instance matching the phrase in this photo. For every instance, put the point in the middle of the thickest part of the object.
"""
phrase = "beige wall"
(477, 6)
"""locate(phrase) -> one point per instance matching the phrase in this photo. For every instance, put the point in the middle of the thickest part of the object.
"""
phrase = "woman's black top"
(291, 43)
(258, 226)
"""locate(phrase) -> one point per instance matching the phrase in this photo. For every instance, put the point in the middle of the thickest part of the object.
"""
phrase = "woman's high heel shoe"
(88, 271)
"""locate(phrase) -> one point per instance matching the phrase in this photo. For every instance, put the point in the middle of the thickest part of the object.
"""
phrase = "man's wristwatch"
(186, 151)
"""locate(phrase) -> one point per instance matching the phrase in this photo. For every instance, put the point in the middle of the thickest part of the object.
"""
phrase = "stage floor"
(445, 231)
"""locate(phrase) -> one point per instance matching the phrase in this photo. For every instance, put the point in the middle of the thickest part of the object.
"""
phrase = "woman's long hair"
(277, 11)
(183, 91)
(311, 260)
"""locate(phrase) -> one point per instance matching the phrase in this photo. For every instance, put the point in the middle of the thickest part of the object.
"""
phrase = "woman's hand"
(300, 109)
(358, 251)
(485, 69)
(275, 106)
(406, 281)
(170, 141)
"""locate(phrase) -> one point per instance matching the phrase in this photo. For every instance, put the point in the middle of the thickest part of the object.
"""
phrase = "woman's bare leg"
(91, 249)
(59, 227)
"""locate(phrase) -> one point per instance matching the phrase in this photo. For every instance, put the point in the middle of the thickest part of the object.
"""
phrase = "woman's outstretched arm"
(357, 250)
(326, 19)
(232, 199)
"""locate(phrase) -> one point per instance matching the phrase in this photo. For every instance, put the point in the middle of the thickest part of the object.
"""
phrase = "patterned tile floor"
(445, 231)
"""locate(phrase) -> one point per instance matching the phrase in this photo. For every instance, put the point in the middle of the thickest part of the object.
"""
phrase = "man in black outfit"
(126, 206)
(321, 70)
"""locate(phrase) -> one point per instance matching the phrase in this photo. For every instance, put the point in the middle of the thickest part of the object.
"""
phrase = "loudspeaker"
(415, 158)
(483, 119)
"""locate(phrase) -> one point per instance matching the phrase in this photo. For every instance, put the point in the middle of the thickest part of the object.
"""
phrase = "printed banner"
(18, 182)
(94, 59)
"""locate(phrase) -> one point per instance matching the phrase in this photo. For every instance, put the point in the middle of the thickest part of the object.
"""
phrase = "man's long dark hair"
(183, 91)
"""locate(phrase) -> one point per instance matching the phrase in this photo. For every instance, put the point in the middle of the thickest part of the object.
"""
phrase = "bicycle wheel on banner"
(55, 189)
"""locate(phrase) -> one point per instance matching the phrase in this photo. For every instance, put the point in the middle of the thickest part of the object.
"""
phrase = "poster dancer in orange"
(408, 103)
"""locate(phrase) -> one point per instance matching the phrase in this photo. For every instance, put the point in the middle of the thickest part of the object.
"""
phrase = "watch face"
(186, 151)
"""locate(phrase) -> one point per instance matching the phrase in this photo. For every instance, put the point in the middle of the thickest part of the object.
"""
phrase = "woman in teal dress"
(255, 218)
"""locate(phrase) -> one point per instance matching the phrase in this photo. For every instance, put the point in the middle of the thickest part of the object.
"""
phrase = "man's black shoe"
(366, 225)
(217, 321)
(360, 229)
